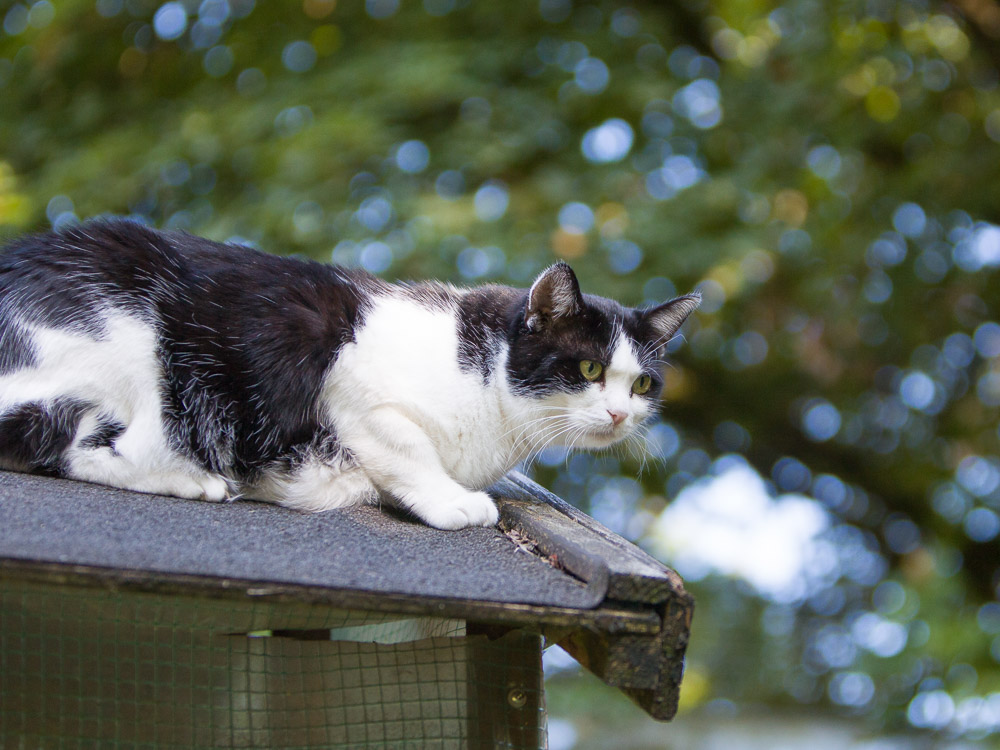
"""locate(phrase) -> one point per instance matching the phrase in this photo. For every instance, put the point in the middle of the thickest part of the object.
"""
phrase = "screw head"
(517, 698)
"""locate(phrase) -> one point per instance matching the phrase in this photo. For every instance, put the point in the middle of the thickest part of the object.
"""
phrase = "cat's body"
(170, 364)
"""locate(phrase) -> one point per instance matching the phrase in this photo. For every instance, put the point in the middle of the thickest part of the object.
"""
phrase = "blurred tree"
(826, 173)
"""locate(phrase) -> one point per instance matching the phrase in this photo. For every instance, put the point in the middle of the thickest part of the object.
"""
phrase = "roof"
(549, 566)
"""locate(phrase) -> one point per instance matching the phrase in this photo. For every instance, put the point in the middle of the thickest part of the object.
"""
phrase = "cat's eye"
(591, 370)
(642, 384)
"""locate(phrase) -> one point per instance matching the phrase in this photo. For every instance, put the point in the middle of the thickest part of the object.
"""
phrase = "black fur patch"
(16, 351)
(36, 435)
(546, 359)
(484, 315)
(108, 430)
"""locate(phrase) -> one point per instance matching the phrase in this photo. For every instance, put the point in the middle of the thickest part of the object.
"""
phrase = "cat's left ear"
(666, 319)
(555, 294)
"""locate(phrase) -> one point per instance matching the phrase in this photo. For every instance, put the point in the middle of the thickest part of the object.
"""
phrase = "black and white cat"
(170, 364)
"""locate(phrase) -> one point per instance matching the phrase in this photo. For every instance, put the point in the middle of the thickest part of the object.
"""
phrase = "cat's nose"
(617, 417)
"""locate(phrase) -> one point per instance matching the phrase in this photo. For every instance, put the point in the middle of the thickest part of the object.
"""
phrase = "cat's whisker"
(515, 442)
(633, 444)
(533, 449)
(549, 441)
(524, 426)
(575, 439)
(546, 423)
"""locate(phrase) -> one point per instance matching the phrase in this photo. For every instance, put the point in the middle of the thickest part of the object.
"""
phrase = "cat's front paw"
(460, 511)
(214, 488)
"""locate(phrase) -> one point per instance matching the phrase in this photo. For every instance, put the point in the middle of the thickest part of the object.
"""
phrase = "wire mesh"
(97, 668)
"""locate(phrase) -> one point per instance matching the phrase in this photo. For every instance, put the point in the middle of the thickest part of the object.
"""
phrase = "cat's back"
(59, 278)
(99, 250)
(125, 255)
(69, 277)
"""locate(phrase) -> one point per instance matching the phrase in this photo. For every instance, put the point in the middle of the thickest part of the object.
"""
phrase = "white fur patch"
(420, 427)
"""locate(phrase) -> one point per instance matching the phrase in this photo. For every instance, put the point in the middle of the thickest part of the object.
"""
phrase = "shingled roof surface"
(363, 548)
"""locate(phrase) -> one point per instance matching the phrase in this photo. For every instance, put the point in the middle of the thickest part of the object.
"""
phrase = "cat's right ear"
(667, 319)
(555, 294)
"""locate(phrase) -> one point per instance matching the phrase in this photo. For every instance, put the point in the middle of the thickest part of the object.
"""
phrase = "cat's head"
(593, 365)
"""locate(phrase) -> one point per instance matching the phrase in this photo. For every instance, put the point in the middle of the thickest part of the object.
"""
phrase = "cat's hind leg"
(104, 465)
(137, 457)
(88, 406)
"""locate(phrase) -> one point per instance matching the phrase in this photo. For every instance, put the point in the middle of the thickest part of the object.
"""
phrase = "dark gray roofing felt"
(363, 549)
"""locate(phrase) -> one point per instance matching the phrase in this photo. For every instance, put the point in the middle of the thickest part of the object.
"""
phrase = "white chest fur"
(403, 372)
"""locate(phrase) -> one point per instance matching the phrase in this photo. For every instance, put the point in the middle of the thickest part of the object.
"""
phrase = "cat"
(166, 363)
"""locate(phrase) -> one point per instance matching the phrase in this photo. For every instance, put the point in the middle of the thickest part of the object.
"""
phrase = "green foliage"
(826, 173)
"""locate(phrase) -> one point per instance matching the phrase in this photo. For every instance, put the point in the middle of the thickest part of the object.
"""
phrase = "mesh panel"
(82, 668)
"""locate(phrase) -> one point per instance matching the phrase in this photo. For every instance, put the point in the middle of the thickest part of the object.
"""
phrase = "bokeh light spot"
(982, 525)
(791, 475)
(878, 287)
(555, 11)
(317, 9)
(298, 56)
(749, 348)
(109, 8)
(381, 9)
(700, 102)
(170, 21)
(374, 213)
(878, 635)
(218, 61)
(824, 161)
(251, 82)
(413, 156)
(292, 120)
(375, 257)
(820, 420)
(932, 709)
(15, 21)
(450, 184)
(491, 201)
(624, 256)
(576, 217)
(909, 220)
(591, 75)
(477, 262)
(917, 390)
(882, 104)
(851, 689)
(662, 441)
(888, 250)
(979, 475)
(608, 142)
(41, 14)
